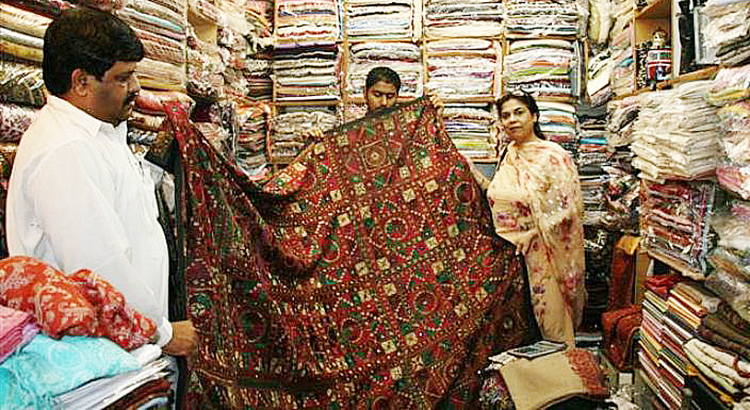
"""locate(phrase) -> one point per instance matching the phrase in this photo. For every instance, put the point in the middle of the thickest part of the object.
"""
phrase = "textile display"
(46, 367)
(458, 73)
(535, 197)
(540, 18)
(733, 171)
(161, 76)
(600, 21)
(676, 135)
(80, 304)
(14, 120)
(258, 77)
(467, 18)
(674, 222)
(21, 83)
(23, 21)
(16, 330)
(541, 67)
(729, 86)
(307, 20)
(46, 7)
(375, 20)
(254, 127)
(731, 288)
(306, 73)
(599, 75)
(204, 67)
(470, 127)
(531, 385)
(726, 30)
(368, 275)
(403, 58)
(290, 131)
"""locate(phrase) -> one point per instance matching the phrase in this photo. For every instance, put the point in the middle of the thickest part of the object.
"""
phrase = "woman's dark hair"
(88, 39)
(384, 74)
(527, 100)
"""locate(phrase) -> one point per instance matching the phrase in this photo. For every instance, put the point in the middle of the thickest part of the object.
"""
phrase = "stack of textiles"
(651, 337)
(599, 76)
(730, 258)
(290, 131)
(403, 58)
(541, 67)
(254, 121)
(146, 118)
(466, 18)
(258, 69)
(558, 123)
(260, 9)
(592, 142)
(674, 222)
(727, 30)
(161, 26)
(307, 21)
(623, 77)
(622, 115)
(538, 18)
(306, 73)
(470, 129)
(687, 304)
(86, 328)
(593, 183)
(461, 68)
(676, 134)
(17, 328)
(600, 21)
(376, 20)
(730, 92)
(204, 68)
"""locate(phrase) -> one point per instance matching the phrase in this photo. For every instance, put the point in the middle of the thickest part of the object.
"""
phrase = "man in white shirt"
(77, 197)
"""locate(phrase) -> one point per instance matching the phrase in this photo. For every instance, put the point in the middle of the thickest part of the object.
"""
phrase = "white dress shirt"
(79, 199)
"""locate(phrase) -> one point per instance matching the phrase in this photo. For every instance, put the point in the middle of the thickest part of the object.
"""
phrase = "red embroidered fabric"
(365, 275)
(81, 304)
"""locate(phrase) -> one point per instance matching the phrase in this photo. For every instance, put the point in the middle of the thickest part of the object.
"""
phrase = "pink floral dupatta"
(536, 194)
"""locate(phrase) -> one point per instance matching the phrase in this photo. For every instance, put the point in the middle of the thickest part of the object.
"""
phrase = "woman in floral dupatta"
(536, 204)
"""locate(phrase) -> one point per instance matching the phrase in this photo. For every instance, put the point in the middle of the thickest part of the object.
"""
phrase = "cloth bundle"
(78, 304)
(376, 20)
(727, 30)
(254, 122)
(14, 120)
(403, 58)
(540, 18)
(455, 72)
(21, 83)
(620, 328)
(307, 20)
(541, 67)
(470, 129)
(558, 122)
(307, 73)
(467, 18)
(290, 131)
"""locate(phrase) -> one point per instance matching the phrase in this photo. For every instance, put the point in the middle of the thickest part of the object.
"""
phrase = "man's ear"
(80, 82)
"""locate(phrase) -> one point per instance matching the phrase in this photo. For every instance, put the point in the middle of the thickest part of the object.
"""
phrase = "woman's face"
(517, 120)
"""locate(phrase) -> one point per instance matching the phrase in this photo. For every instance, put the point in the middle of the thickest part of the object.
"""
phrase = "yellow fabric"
(536, 196)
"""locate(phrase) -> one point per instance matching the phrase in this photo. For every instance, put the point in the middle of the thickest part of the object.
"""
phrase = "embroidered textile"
(535, 197)
(366, 275)
(81, 304)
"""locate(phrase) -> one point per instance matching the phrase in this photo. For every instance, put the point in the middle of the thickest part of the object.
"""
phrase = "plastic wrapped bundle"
(539, 18)
(730, 85)
(466, 18)
(461, 71)
(376, 20)
(404, 58)
(541, 67)
(307, 20)
(727, 30)
(253, 120)
(471, 130)
(290, 129)
(306, 73)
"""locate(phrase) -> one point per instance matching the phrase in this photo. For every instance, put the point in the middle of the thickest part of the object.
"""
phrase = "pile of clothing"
(307, 73)
(403, 58)
(462, 67)
(307, 20)
(727, 30)
(540, 18)
(470, 129)
(376, 20)
(542, 67)
(291, 131)
(467, 18)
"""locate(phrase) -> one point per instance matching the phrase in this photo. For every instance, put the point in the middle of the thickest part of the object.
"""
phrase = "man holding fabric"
(78, 198)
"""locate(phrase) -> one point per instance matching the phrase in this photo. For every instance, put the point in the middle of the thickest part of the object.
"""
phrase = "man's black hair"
(384, 74)
(88, 39)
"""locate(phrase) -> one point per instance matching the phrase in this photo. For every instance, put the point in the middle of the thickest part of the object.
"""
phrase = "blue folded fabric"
(46, 367)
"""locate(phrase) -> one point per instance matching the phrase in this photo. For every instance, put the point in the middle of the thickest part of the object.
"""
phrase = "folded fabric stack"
(599, 76)
(253, 123)
(674, 222)
(623, 78)
(257, 72)
(17, 328)
(467, 18)
(651, 338)
(307, 21)
(727, 30)
(731, 92)
(469, 127)
(462, 67)
(290, 131)
(558, 123)
(161, 26)
(593, 182)
(204, 67)
(403, 58)
(542, 18)
(306, 73)
(592, 142)
(600, 20)
(260, 9)
(541, 67)
(622, 115)
(376, 20)
(676, 134)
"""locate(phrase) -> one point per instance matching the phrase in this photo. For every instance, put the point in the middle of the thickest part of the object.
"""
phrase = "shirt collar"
(80, 117)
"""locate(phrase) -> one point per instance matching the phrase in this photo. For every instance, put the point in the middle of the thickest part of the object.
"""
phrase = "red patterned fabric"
(79, 304)
(620, 328)
(365, 275)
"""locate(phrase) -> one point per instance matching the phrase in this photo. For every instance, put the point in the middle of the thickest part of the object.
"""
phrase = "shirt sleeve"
(73, 195)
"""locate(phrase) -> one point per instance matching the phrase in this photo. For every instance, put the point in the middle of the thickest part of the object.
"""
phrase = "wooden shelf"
(658, 9)
(288, 103)
(676, 265)
(702, 74)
